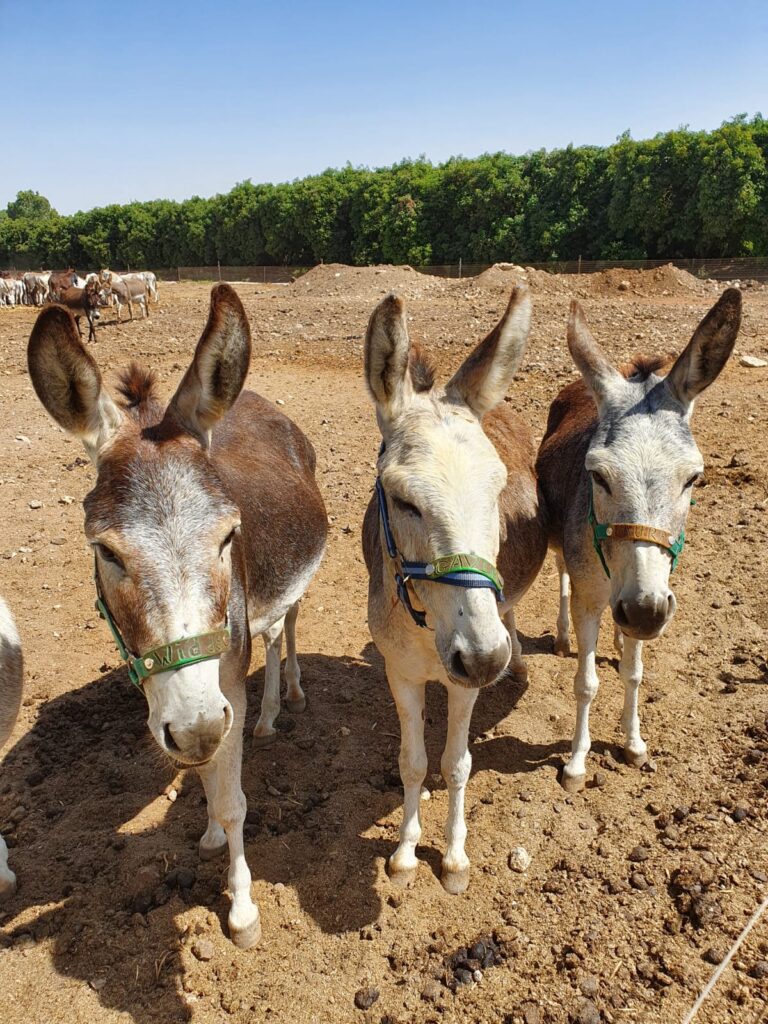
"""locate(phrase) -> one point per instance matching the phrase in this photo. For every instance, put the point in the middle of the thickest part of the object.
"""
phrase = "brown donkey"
(616, 466)
(456, 492)
(206, 525)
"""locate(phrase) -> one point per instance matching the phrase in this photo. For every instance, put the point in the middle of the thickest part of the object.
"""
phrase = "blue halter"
(458, 570)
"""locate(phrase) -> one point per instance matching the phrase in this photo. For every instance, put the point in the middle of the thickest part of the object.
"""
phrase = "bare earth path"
(114, 910)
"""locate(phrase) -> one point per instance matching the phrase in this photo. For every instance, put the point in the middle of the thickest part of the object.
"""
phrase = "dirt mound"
(666, 280)
(502, 277)
(366, 282)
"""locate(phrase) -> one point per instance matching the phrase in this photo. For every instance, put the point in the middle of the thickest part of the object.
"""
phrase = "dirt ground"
(636, 887)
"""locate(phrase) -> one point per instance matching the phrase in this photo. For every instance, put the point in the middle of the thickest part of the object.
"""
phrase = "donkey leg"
(295, 699)
(264, 732)
(586, 620)
(7, 877)
(455, 766)
(631, 672)
(409, 699)
(517, 666)
(226, 807)
(618, 640)
(562, 640)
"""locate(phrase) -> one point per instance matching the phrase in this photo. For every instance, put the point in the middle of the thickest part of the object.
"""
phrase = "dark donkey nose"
(200, 740)
(480, 668)
(645, 616)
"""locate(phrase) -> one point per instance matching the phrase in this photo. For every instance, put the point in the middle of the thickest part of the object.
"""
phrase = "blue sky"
(144, 100)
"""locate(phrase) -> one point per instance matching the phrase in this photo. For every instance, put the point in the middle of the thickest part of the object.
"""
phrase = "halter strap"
(469, 571)
(167, 657)
(632, 532)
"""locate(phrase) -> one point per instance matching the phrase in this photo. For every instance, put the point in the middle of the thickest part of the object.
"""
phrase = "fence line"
(738, 268)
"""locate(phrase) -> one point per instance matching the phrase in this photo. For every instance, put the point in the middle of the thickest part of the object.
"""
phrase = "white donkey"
(206, 525)
(11, 676)
(456, 490)
(617, 466)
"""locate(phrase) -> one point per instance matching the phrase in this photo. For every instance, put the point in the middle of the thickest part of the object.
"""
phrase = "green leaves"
(680, 194)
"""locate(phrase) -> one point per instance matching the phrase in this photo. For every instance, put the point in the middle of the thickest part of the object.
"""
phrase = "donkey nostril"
(457, 666)
(228, 718)
(620, 615)
(170, 742)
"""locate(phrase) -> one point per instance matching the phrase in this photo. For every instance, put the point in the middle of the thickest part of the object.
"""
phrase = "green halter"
(631, 531)
(189, 650)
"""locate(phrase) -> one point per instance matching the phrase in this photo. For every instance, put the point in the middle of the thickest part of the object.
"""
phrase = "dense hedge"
(680, 194)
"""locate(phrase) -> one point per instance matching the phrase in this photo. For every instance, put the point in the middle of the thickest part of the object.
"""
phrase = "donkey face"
(159, 520)
(442, 476)
(643, 460)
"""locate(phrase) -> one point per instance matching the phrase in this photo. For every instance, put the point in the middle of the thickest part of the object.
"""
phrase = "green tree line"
(681, 194)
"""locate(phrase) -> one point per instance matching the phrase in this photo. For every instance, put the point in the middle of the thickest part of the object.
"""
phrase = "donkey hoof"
(635, 758)
(244, 935)
(573, 783)
(519, 671)
(212, 852)
(264, 739)
(296, 707)
(455, 882)
(562, 647)
(401, 878)
(7, 884)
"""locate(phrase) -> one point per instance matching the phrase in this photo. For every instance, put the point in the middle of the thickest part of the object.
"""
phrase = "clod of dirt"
(366, 997)
(531, 1013)
(714, 955)
(431, 991)
(639, 854)
(203, 950)
(519, 859)
(586, 1013)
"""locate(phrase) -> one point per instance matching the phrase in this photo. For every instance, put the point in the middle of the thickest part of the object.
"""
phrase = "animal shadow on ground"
(107, 861)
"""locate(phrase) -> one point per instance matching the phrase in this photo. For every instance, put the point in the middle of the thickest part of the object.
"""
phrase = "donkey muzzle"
(645, 616)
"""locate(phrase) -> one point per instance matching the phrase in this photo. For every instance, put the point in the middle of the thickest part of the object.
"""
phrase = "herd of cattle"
(84, 296)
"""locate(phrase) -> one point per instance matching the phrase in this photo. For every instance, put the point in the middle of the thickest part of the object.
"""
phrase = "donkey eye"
(227, 540)
(601, 481)
(692, 481)
(406, 506)
(108, 555)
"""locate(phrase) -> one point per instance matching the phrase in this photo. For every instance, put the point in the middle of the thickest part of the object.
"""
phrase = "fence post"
(579, 263)
(459, 267)
(218, 264)
(178, 274)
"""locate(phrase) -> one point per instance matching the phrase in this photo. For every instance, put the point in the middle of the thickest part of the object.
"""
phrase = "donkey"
(125, 291)
(11, 676)
(207, 526)
(84, 302)
(456, 489)
(617, 466)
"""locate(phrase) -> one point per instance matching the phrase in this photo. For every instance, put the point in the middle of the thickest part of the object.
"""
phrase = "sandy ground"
(113, 908)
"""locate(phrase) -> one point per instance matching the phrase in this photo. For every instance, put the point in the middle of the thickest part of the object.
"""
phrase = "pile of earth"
(367, 282)
(660, 281)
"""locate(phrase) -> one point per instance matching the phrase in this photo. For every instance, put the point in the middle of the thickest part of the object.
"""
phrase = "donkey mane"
(640, 368)
(137, 388)
(421, 370)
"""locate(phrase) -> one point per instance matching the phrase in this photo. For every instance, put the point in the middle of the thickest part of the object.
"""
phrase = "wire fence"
(736, 269)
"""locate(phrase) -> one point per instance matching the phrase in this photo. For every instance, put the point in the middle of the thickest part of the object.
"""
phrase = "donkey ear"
(218, 370)
(708, 350)
(592, 363)
(387, 351)
(483, 378)
(68, 382)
